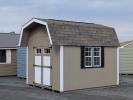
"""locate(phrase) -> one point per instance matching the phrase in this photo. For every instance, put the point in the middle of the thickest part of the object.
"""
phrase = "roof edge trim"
(36, 21)
(126, 44)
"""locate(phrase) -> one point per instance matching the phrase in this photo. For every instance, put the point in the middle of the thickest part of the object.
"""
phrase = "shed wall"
(126, 59)
(9, 69)
(77, 78)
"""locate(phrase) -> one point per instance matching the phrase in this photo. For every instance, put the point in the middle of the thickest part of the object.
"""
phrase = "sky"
(114, 13)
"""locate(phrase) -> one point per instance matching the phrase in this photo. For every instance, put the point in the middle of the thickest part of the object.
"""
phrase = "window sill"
(91, 67)
(4, 63)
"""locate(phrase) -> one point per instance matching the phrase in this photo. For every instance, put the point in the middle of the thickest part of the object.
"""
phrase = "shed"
(8, 60)
(68, 55)
(126, 57)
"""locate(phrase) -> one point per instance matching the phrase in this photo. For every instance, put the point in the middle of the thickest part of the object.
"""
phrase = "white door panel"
(46, 60)
(37, 60)
(46, 76)
(39, 70)
(38, 75)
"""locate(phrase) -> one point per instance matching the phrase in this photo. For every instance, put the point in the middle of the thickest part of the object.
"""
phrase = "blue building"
(21, 62)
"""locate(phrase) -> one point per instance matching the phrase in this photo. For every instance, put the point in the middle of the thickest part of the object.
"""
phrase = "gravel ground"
(13, 88)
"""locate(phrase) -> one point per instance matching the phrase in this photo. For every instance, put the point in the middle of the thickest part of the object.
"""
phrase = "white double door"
(42, 70)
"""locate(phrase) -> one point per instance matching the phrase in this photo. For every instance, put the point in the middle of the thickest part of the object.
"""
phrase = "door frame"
(42, 66)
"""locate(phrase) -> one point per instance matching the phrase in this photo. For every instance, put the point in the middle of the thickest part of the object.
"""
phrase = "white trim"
(8, 56)
(92, 57)
(88, 56)
(61, 68)
(117, 66)
(97, 56)
(3, 63)
(126, 45)
(35, 51)
(7, 48)
(27, 66)
(36, 21)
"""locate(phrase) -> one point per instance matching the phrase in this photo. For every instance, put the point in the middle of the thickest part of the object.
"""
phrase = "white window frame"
(44, 51)
(36, 50)
(88, 56)
(8, 56)
(97, 56)
(92, 57)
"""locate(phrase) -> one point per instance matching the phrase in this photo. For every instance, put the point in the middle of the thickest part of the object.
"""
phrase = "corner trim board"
(117, 66)
(27, 66)
(61, 68)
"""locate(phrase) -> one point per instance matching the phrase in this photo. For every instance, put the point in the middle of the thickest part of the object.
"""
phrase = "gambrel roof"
(79, 33)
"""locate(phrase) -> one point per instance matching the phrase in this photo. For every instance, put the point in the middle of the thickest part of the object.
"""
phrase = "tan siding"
(37, 38)
(126, 60)
(77, 78)
(9, 69)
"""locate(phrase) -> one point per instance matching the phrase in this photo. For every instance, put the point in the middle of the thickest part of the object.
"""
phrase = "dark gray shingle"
(80, 33)
(8, 40)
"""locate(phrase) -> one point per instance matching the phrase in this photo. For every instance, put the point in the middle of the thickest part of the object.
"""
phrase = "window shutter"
(82, 56)
(8, 56)
(102, 56)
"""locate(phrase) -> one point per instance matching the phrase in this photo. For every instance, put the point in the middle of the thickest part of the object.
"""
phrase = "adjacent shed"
(21, 62)
(126, 57)
(8, 57)
(68, 55)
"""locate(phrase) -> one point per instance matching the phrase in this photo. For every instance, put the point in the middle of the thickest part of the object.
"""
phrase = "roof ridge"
(81, 22)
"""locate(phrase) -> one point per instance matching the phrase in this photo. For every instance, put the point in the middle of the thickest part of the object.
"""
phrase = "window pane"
(96, 51)
(86, 49)
(86, 64)
(2, 56)
(86, 54)
(96, 54)
(38, 51)
(46, 51)
(96, 60)
(90, 53)
(88, 61)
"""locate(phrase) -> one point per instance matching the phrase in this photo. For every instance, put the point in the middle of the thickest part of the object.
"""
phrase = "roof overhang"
(29, 23)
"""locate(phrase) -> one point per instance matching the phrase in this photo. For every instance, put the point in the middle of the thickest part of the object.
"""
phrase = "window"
(2, 56)
(47, 51)
(92, 57)
(88, 56)
(38, 51)
(96, 56)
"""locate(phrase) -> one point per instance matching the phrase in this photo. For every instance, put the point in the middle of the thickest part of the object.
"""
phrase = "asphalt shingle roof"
(80, 33)
(8, 40)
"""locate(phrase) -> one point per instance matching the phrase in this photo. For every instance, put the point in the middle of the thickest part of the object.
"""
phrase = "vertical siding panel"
(126, 60)
(21, 62)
